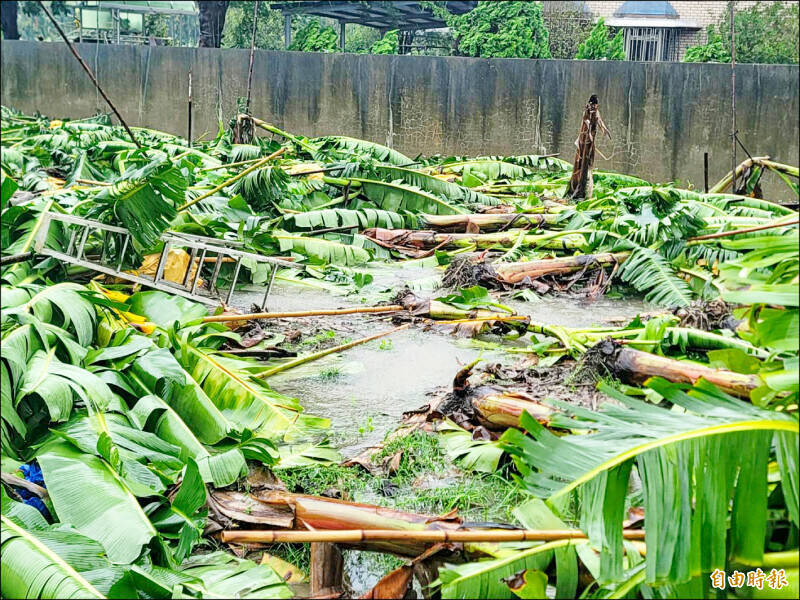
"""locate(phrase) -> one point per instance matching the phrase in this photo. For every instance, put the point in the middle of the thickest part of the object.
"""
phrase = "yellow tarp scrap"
(174, 269)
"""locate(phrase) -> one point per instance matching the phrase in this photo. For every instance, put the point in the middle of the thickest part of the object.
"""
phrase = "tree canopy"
(766, 32)
(601, 44)
(498, 30)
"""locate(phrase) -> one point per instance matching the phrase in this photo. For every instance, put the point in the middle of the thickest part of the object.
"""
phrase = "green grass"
(418, 480)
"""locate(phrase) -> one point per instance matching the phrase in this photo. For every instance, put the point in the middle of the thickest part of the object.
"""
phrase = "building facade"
(658, 30)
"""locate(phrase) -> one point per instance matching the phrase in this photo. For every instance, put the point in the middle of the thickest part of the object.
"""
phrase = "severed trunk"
(499, 410)
(517, 272)
(580, 184)
(636, 366)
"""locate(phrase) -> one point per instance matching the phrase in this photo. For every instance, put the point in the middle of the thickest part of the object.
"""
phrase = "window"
(651, 44)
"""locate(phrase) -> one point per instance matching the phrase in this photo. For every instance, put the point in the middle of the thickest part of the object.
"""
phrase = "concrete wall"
(662, 116)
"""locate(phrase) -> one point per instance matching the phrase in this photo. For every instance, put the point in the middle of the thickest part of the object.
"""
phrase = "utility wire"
(88, 71)
(252, 52)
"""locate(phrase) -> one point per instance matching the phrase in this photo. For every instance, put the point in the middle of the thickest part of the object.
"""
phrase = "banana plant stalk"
(422, 239)
(516, 272)
(636, 366)
(484, 221)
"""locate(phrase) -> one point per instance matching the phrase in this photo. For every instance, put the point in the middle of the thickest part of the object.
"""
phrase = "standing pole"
(733, 98)
(189, 132)
(252, 53)
(287, 30)
(88, 70)
(705, 172)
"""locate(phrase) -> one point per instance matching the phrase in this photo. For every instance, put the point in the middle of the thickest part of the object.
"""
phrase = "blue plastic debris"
(33, 473)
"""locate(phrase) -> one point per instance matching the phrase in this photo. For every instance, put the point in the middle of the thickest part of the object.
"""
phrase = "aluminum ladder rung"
(81, 230)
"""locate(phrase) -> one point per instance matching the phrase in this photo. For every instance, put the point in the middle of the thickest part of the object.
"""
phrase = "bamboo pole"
(346, 536)
(233, 179)
(233, 164)
(721, 234)
(304, 313)
(311, 357)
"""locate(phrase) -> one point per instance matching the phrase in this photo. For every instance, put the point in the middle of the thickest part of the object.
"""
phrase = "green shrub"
(601, 45)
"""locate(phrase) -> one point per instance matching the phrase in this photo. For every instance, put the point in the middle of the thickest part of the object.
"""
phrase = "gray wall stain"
(662, 116)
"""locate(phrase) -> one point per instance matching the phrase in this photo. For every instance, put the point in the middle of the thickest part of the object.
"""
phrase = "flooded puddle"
(365, 390)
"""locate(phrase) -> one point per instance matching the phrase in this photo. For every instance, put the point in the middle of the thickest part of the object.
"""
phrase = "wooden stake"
(252, 54)
(345, 536)
(327, 567)
(305, 313)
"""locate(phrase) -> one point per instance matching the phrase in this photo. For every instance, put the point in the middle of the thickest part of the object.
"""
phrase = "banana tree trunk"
(499, 410)
(516, 272)
(484, 222)
(424, 239)
(636, 366)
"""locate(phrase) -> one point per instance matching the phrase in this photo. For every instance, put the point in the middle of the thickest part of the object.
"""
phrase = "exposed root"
(707, 315)
(598, 361)
(464, 272)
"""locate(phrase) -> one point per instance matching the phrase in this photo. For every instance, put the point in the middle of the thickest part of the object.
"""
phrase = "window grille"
(652, 44)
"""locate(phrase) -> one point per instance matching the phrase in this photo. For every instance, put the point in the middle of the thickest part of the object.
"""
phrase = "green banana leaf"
(101, 507)
(678, 455)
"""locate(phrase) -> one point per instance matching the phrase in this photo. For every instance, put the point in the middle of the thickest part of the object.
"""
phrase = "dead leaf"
(394, 585)
(392, 464)
(247, 509)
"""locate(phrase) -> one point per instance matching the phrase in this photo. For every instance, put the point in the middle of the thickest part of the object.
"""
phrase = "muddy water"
(365, 390)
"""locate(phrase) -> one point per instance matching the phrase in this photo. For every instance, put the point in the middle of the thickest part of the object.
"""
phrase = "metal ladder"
(80, 229)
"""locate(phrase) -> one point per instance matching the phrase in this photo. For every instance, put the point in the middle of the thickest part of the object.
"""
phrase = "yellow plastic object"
(288, 572)
(56, 123)
(138, 322)
(175, 268)
(305, 168)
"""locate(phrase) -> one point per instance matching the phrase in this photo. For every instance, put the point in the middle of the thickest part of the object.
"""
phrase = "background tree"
(766, 32)
(212, 21)
(239, 26)
(12, 11)
(567, 27)
(8, 20)
(601, 45)
(388, 44)
(498, 29)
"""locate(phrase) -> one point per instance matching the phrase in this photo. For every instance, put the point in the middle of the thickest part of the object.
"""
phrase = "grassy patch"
(425, 481)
